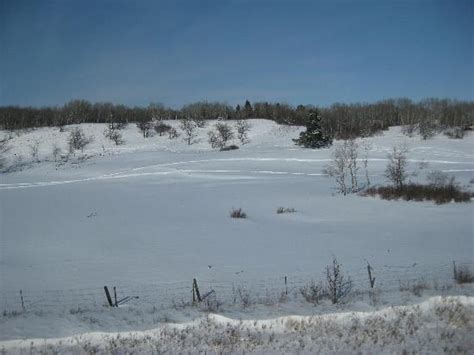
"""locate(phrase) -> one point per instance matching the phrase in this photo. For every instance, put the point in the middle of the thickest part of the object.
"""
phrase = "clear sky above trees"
(176, 52)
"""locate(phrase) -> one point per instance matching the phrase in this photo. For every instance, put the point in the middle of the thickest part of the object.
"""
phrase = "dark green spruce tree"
(313, 137)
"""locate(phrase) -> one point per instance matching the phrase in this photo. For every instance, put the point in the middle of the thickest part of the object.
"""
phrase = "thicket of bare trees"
(341, 121)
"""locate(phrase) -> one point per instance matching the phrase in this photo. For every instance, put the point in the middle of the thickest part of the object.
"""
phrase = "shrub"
(78, 140)
(338, 286)
(243, 127)
(396, 169)
(56, 151)
(4, 148)
(117, 125)
(237, 213)
(463, 275)
(113, 134)
(313, 293)
(189, 128)
(438, 178)
(344, 165)
(34, 149)
(415, 287)
(454, 133)
(417, 192)
(145, 127)
(221, 134)
(281, 210)
(230, 147)
(162, 128)
(243, 295)
(173, 133)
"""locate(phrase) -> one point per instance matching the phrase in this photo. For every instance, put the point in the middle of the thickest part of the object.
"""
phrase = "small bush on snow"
(416, 287)
(230, 147)
(455, 133)
(281, 210)
(237, 213)
(313, 293)
(418, 192)
(463, 275)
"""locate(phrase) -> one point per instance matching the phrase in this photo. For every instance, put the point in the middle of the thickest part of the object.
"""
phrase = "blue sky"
(176, 52)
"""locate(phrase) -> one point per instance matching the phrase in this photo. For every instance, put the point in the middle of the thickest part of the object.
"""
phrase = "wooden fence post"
(22, 301)
(115, 297)
(107, 294)
(371, 279)
(286, 286)
(196, 290)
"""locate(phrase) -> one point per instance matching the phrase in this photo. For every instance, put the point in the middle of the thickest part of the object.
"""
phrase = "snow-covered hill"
(152, 214)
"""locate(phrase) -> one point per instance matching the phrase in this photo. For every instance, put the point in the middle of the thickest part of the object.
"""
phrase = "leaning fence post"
(196, 290)
(107, 294)
(22, 301)
(115, 297)
(371, 279)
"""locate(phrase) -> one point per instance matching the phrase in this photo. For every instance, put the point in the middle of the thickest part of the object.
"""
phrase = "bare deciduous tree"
(243, 127)
(396, 168)
(220, 136)
(439, 179)
(34, 149)
(56, 152)
(366, 146)
(78, 140)
(338, 285)
(338, 169)
(344, 165)
(189, 128)
(352, 152)
(4, 148)
(145, 127)
(114, 134)
(173, 133)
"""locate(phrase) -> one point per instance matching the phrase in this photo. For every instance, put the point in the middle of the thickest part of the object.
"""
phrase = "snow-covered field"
(151, 215)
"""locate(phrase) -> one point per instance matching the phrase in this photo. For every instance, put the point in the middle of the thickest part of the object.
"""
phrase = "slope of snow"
(151, 215)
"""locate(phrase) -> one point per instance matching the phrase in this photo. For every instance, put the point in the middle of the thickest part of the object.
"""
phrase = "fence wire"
(387, 278)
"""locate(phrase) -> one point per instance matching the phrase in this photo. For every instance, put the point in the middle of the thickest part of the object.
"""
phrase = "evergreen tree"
(248, 110)
(238, 114)
(313, 137)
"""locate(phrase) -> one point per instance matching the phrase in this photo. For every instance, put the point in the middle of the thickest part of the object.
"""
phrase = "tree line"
(340, 120)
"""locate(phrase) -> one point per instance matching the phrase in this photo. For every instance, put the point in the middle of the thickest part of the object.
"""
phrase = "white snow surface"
(152, 214)
(437, 325)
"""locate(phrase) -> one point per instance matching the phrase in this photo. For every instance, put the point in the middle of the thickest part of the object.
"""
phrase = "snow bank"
(437, 325)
